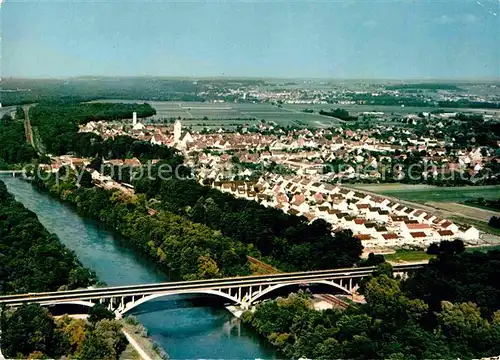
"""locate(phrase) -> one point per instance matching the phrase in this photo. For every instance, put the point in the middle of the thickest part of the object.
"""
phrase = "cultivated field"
(464, 210)
(229, 114)
(390, 187)
(425, 193)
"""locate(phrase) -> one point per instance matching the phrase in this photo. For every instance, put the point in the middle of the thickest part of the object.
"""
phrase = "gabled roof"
(446, 224)
(417, 226)
(418, 234)
(390, 236)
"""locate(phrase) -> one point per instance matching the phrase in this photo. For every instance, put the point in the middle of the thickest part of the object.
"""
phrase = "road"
(136, 346)
(28, 131)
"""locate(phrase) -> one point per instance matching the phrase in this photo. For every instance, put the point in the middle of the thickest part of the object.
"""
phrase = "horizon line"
(243, 77)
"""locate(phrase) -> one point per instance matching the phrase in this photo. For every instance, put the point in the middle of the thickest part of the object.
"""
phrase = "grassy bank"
(139, 333)
(408, 256)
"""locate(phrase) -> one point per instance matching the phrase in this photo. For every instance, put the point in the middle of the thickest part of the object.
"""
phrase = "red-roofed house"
(418, 235)
(446, 234)
(134, 162)
(448, 225)
(418, 226)
(299, 203)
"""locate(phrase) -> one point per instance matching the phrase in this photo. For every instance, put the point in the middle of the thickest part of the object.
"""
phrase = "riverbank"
(137, 336)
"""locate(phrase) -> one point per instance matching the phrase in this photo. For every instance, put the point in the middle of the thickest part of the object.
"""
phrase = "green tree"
(99, 312)
(86, 180)
(19, 113)
(207, 267)
(7, 118)
(30, 328)
(95, 347)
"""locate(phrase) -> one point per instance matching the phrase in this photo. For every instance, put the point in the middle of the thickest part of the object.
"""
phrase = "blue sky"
(330, 39)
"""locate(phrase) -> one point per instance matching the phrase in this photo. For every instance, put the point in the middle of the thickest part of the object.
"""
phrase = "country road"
(28, 131)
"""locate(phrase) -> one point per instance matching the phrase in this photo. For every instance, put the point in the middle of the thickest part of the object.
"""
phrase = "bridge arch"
(131, 305)
(279, 286)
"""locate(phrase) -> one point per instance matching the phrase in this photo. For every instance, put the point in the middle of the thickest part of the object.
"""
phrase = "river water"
(185, 328)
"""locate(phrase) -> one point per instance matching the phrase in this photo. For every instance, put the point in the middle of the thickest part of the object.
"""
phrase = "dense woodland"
(87, 89)
(31, 332)
(33, 260)
(190, 250)
(287, 241)
(123, 147)
(57, 122)
(443, 312)
(14, 150)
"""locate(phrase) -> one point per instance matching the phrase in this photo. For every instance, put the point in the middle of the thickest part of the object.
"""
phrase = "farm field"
(425, 193)
(384, 108)
(241, 113)
(467, 211)
(223, 114)
(482, 248)
(403, 256)
(390, 187)
(361, 108)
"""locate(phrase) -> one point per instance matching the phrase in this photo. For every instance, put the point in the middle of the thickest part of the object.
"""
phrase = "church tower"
(177, 131)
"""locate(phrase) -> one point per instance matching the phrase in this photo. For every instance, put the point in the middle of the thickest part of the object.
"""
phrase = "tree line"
(14, 150)
(339, 113)
(33, 260)
(57, 122)
(123, 147)
(288, 242)
(31, 332)
(189, 250)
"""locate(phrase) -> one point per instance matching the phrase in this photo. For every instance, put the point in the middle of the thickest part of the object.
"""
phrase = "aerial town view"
(250, 180)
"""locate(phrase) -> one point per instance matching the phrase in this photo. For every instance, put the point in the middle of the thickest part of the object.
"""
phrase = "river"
(185, 328)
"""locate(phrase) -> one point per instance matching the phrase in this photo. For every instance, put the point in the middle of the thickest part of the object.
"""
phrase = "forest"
(57, 122)
(445, 311)
(190, 250)
(288, 242)
(339, 113)
(25, 91)
(31, 332)
(33, 260)
(123, 147)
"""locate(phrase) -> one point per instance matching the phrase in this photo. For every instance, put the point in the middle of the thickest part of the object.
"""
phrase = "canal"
(186, 328)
